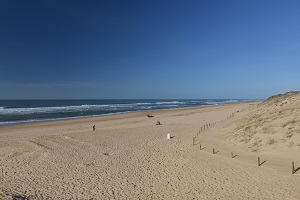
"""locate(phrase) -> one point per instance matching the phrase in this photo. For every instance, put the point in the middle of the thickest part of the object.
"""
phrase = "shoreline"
(21, 132)
(57, 120)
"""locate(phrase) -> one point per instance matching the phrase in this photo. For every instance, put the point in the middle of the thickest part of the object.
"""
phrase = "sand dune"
(271, 125)
(129, 157)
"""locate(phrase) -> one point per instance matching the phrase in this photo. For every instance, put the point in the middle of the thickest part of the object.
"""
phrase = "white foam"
(231, 101)
(57, 119)
(143, 103)
(85, 107)
(110, 109)
(170, 102)
(26, 111)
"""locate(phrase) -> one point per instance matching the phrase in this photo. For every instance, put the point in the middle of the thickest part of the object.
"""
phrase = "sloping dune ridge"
(271, 125)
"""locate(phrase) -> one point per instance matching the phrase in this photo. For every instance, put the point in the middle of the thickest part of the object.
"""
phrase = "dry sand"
(129, 157)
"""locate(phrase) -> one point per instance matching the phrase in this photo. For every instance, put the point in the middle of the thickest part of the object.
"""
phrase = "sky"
(148, 49)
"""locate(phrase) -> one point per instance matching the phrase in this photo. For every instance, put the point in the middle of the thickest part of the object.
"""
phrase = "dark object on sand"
(150, 116)
(158, 123)
(94, 127)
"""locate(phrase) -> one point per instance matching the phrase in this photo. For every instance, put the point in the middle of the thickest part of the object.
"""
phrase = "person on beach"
(94, 127)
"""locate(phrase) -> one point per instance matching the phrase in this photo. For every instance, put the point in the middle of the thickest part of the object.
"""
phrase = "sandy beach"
(128, 156)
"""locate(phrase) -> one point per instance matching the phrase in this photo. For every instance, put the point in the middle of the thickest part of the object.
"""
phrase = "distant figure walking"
(94, 127)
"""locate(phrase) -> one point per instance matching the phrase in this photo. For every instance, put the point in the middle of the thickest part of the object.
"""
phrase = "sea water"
(24, 111)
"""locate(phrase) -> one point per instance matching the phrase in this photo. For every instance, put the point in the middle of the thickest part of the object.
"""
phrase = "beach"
(128, 156)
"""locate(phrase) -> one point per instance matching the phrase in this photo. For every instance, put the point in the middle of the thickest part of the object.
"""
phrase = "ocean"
(26, 111)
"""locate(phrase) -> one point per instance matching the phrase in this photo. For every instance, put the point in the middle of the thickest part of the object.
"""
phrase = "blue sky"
(148, 49)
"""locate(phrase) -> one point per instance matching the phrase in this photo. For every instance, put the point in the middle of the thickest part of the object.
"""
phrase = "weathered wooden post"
(200, 147)
(258, 161)
(213, 150)
(231, 155)
(293, 168)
